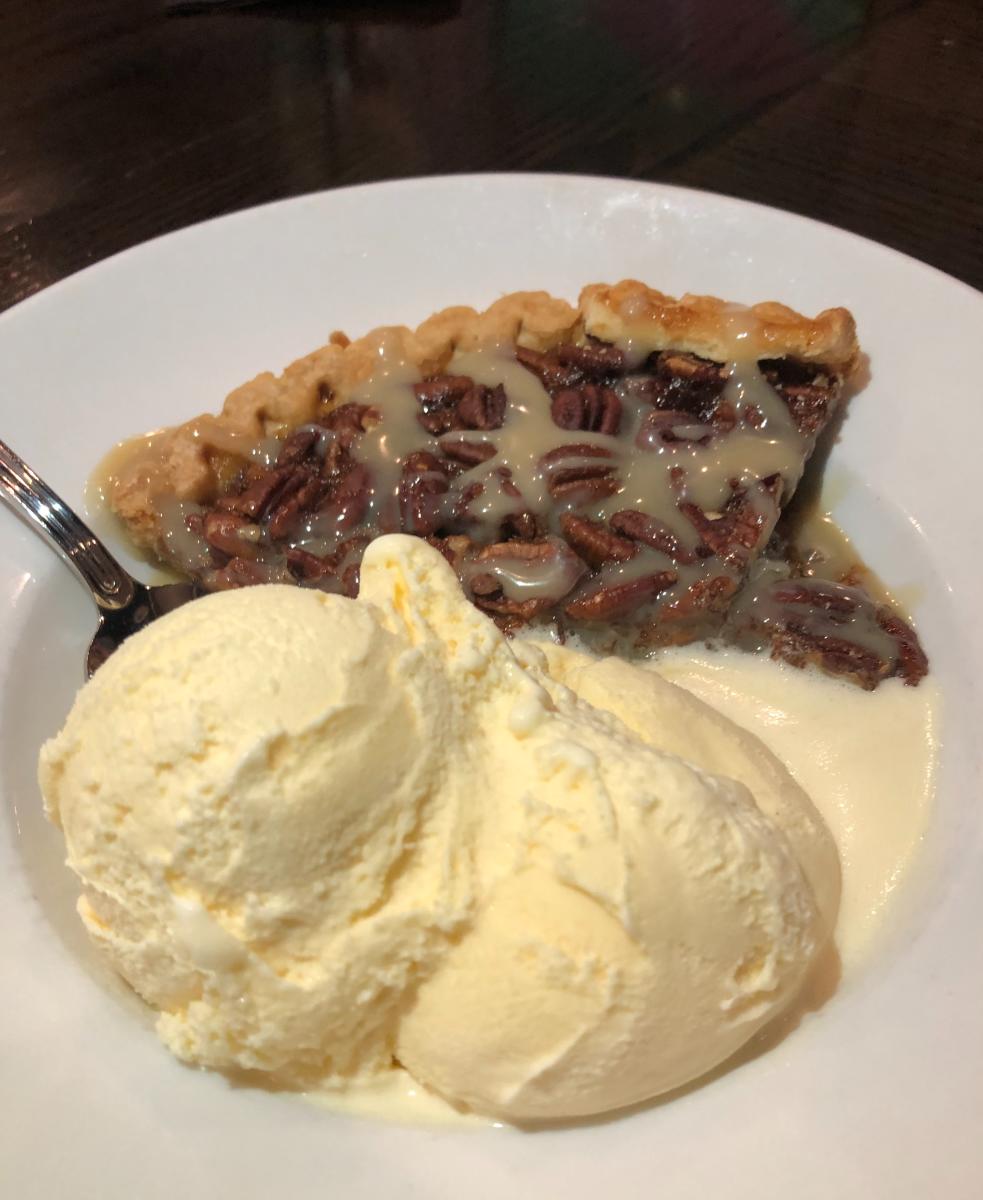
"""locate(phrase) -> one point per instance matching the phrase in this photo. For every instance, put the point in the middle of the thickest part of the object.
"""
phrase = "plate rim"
(412, 182)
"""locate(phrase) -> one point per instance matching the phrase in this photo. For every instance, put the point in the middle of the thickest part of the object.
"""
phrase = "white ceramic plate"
(879, 1094)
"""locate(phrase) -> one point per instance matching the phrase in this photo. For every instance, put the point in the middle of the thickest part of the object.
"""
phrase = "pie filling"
(595, 487)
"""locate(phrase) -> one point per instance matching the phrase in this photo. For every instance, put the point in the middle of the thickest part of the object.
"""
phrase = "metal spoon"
(125, 605)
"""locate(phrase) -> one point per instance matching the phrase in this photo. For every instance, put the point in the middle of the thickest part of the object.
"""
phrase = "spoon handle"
(27, 494)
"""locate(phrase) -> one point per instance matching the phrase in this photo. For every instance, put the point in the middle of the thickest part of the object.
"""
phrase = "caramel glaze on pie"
(616, 467)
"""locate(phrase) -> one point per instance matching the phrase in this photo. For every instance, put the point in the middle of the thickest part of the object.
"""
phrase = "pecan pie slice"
(619, 466)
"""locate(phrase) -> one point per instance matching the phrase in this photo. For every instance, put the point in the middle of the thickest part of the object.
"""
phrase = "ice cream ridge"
(324, 837)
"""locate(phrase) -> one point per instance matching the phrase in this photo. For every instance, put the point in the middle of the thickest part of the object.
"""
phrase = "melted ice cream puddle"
(397, 1097)
(867, 760)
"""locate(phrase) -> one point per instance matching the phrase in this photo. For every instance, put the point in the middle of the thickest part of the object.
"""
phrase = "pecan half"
(580, 472)
(441, 392)
(549, 550)
(508, 485)
(308, 567)
(912, 659)
(348, 500)
(711, 595)
(809, 390)
(498, 602)
(337, 458)
(810, 406)
(524, 526)
(640, 527)
(724, 417)
(350, 578)
(352, 549)
(349, 559)
(738, 530)
(231, 534)
(471, 454)
(522, 579)
(829, 597)
(466, 498)
(798, 645)
(596, 358)
(592, 408)
(484, 584)
(349, 420)
(667, 427)
(482, 407)
(420, 493)
(687, 383)
(261, 488)
(594, 542)
(834, 626)
(238, 572)
(297, 447)
(569, 365)
(302, 495)
(616, 600)
(552, 373)
(452, 402)
(453, 548)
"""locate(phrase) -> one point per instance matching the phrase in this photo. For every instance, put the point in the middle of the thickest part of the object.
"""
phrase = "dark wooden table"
(122, 119)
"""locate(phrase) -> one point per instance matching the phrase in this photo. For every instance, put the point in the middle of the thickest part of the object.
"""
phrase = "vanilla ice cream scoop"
(238, 786)
(322, 836)
(674, 720)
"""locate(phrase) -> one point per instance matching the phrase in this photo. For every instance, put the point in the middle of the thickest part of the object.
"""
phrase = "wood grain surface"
(123, 119)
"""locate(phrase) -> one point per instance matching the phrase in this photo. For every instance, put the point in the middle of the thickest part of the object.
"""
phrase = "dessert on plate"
(354, 827)
(616, 470)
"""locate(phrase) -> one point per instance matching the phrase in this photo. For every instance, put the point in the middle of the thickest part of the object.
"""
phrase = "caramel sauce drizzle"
(703, 466)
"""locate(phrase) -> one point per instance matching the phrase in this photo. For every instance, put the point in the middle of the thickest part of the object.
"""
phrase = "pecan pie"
(621, 465)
